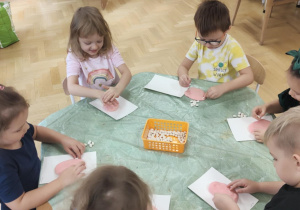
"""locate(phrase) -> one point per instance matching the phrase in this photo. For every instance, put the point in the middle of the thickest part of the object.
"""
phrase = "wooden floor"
(152, 35)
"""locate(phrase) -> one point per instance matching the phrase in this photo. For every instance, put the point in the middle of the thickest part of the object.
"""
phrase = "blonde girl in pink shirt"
(92, 58)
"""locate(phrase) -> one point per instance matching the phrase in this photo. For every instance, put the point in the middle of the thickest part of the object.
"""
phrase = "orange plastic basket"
(167, 125)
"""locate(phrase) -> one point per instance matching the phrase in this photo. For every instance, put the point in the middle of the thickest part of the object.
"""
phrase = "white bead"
(234, 115)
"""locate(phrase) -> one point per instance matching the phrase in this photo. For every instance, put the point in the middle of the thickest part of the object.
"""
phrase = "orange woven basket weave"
(167, 125)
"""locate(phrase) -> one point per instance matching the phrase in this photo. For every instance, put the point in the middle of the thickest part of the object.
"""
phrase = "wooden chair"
(103, 3)
(259, 71)
(237, 6)
(268, 5)
(268, 9)
(65, 87)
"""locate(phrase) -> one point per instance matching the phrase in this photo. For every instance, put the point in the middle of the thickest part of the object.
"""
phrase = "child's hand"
(73, 147)
(111, 94)
(72, 174)
(214, 92)
(244, 186)
(224, 202)
(184, 80)
(259, 135)
(258, 112)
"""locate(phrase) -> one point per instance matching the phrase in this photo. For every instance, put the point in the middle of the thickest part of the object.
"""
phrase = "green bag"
(7, 31)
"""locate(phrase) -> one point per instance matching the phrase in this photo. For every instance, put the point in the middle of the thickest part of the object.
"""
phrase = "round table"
(210, 141)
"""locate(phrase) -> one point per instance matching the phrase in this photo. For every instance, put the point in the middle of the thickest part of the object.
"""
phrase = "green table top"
(210, 141)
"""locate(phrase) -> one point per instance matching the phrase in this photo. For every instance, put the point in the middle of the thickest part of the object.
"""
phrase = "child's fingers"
(79, 167)
(77, 151)
(105, 87)
(80, 151)
(71, 152)
(235, 184)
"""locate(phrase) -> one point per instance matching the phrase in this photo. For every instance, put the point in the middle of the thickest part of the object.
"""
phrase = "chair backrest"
(65, 87)
(258, 69)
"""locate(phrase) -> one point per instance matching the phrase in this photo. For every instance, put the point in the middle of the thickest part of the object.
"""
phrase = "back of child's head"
(284, 131)
(86, 22)
(294, 68)
(11, 105)
(212, 16)
(112, 188)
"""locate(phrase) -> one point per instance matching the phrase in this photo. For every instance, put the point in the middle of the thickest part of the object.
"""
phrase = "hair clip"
(296, 60)
(1, 87)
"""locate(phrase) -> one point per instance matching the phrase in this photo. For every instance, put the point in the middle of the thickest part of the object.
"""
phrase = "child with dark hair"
(19, 162)
(287, 99)
(220, 58)
(112, 188)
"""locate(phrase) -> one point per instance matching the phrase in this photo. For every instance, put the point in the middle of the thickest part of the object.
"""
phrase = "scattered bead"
(194, 103)
(240, 115)
(89, 143)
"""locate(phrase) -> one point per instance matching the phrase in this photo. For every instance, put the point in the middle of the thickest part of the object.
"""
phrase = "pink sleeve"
(116, 57)
(73, 65)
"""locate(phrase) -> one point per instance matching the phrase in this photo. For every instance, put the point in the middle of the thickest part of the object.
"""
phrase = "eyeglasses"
(202, 41)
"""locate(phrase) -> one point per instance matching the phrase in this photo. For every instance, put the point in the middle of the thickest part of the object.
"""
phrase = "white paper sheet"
(161, 202)
(166, 85)
(239, 127)
(47, 171)
(125, 108)
(200, 187)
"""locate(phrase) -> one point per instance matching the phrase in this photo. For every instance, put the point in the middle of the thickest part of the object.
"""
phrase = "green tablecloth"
(210, 142)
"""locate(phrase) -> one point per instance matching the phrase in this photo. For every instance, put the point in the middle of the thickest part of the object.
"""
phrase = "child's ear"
(297, 159)
(228, 29)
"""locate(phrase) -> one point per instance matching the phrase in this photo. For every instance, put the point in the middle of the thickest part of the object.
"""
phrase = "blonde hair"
(285, 131)
(86, 22)
(112, 188)
(11, 105)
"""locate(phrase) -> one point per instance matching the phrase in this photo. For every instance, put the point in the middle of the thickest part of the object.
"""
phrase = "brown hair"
(212, 16)
(112, 188)
(11, 105)
(86, 22)
(284, 130)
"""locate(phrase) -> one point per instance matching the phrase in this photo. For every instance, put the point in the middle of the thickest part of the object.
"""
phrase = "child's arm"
(245, 79)
(115, 92)
(224, 202)
(249, 186)
(271, 108)
(183, 72)
(70, 145)
(37, 197)
(77, 90)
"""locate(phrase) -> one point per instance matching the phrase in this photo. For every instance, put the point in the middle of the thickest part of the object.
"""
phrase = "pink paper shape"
(260, 125)
(59, 168)
(195, 94)
(218, 187)
(112, 106)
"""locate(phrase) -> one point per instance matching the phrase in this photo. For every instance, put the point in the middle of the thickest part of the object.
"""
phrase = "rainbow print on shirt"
(99, 76)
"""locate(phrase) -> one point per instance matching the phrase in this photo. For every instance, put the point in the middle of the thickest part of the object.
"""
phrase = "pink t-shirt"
(95, 72)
